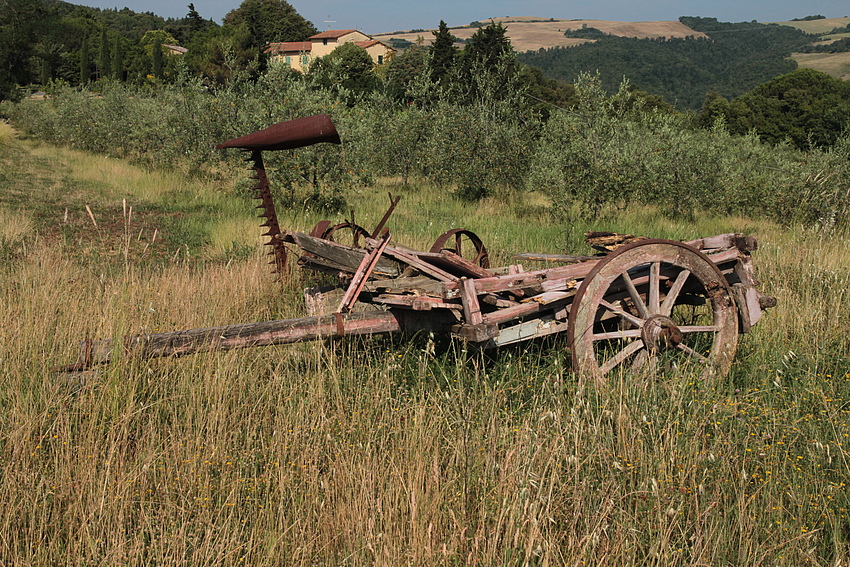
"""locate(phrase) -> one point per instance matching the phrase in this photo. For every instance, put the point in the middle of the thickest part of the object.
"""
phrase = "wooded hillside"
(732, 59)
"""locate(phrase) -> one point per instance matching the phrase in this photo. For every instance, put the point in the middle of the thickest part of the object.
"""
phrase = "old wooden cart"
(640, 304)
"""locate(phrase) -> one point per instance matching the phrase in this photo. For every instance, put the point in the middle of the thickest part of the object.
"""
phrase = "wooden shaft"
(247, 335)
(238, 336)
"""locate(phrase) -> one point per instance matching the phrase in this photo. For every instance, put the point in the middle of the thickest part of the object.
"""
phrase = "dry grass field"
(380, 451)
(528, 33)
(835, 64)
(823, 26)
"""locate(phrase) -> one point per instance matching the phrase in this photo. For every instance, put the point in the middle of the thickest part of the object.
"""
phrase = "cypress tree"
(84, 61)
(195, 22)
(157, 60)
(443, 53)
(117, 71)
(104, 62)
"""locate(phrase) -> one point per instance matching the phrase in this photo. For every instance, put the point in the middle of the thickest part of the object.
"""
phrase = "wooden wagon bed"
(644, 303)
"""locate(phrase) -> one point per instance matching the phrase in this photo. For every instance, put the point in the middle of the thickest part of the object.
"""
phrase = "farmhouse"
(174, 49)
(299, 54)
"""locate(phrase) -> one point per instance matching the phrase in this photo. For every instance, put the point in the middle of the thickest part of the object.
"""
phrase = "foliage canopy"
(270, 21)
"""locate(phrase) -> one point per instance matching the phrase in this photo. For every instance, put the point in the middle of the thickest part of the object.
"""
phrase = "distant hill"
(726, 58)
(531, 34)
(821, 26)
(835, 64)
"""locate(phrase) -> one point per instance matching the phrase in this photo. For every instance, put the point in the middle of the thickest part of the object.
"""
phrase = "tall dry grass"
(386, 451)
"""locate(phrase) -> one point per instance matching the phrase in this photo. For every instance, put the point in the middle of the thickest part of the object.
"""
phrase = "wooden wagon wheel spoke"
(699, 329)
(628, 317)
(673, 294)
(612, 335)
(671, 328)
(624, 354)
(654, 288)
(644, 360)
(688, 350)
(633, 293)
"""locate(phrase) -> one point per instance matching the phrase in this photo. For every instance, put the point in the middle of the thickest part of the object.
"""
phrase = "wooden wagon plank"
(415, 303)
(526, 330)
(509, 313)
(248, 335)
(469, 299)
(497, 301)
(548, 297)
(551, 279)
(450, 261)
(423, 285)
(412, 260)
(339, 254)
(563, 258)
(725, 241)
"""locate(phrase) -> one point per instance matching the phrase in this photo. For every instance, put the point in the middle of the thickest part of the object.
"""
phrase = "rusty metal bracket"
(393, 202)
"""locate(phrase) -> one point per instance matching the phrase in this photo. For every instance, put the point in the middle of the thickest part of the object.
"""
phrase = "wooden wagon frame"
(639, 305)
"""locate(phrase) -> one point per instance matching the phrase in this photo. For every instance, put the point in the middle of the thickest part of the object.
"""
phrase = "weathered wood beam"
(247, 335)
(561, 258)
(338, 254)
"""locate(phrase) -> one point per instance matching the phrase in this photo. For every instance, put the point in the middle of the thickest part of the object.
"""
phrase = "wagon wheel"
(346, 233)
(651, 304)
(464, 243)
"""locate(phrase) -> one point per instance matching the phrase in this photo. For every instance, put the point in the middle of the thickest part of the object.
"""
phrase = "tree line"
(46, 41)
(82, 47)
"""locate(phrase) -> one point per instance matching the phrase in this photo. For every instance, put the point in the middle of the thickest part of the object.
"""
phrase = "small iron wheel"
(465, 244)
(653, 305)
(347, 233)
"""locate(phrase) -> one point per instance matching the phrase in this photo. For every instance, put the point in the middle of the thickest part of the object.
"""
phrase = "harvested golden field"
(825, 25)
(835, 64)
(528, 33)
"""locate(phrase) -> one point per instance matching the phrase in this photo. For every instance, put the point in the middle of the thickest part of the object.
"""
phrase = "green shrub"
(604, 156)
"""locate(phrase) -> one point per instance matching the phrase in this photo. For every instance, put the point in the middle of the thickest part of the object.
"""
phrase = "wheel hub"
(659, 333)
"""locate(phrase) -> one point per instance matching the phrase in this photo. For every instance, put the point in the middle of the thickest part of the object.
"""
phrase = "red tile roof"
(289, 47)
(331, 34)
(176, 48)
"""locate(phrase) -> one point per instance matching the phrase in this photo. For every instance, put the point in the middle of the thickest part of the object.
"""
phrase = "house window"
(380, 59)
(288, 60)
(304, 61)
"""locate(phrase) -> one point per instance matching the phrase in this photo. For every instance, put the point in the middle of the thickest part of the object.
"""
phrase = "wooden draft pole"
(248, 335)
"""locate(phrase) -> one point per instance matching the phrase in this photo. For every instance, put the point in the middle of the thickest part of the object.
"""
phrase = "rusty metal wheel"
(653, 305)
(464, 243)
(347, 233)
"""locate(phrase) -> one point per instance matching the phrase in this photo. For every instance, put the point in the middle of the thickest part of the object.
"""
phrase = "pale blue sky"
(375, 16)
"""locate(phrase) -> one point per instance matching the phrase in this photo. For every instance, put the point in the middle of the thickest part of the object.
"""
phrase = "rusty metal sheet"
(288, 135)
